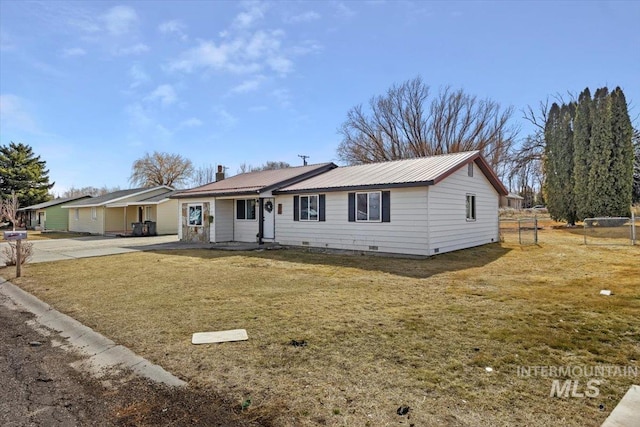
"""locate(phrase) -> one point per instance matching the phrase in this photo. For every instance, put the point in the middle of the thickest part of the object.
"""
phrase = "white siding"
(84, 223)
(244, 230)
(449, 229)
(406, 233)
(223, 220)
(166, 217)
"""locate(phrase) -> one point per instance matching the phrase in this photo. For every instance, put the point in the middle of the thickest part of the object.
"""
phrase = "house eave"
(367, 187)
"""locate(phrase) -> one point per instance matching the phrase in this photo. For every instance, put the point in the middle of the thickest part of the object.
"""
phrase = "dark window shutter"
(352, 207)
(321, 202)
(386, 206)
(296, 208)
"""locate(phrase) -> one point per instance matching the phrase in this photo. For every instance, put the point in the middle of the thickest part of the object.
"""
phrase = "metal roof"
(53, 202)
(115, 196)
(397, 173)
(256, 182)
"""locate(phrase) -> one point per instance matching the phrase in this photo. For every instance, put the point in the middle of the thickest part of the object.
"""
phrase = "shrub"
(9, 253)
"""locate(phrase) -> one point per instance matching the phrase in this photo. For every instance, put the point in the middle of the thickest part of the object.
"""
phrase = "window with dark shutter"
(352, 207)
(386, 206)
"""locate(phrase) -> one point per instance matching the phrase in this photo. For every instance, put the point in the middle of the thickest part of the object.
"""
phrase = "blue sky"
(92, 86)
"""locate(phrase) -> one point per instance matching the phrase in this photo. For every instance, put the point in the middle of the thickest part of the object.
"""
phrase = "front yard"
(381, 333)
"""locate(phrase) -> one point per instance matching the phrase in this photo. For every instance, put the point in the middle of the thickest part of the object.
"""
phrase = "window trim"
(470, 170)
(308, 197)
(76, 214)
(368, 193)
(94, 213)
(246, 204)
(470, 202)
(195, 205)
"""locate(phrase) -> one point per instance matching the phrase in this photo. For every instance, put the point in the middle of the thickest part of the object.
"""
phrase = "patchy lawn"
(381, 332)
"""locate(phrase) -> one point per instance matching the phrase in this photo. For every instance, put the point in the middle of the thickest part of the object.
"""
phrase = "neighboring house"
(49, 215)
(511, 201)
(421, 206)
(114, 213)
(241, 208)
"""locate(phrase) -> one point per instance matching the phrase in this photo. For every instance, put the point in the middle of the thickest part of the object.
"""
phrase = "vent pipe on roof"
(220, 173)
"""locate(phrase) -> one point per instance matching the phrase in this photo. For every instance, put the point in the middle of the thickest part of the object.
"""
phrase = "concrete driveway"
(91, 246)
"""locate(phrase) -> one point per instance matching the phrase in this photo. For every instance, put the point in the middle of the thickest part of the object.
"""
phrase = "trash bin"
(151, 228)
(137, 228)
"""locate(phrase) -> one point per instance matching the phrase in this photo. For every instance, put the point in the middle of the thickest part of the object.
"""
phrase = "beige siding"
(84, 223)
(115, 220)
(406, 233)
(449, 229)
(223, 220)
(167, 217)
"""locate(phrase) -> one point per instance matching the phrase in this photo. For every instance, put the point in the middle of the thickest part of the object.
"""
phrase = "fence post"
(535, 229)
(519, 231)
(633, 228)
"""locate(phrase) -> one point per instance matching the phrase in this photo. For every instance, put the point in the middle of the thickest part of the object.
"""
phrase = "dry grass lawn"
(381, 332)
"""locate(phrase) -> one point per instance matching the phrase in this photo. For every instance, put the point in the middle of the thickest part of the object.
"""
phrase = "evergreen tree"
(600, 185)
(636, 166)
(581, 147)
(23, 172)
(622, 156)
(559, 163)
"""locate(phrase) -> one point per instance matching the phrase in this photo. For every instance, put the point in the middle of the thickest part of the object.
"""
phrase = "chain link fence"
(523, 231)
(610, 230)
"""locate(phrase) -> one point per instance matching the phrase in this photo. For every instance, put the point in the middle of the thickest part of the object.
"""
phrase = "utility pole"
(304, 159)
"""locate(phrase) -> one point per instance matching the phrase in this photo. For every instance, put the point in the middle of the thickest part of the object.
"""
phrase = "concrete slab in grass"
(219, 336)
(627, 413)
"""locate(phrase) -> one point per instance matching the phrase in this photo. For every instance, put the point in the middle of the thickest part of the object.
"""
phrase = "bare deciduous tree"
(270, 165)
(161, 169)
(404, 124)
(91, 191)
(203, 175)
(9, 209)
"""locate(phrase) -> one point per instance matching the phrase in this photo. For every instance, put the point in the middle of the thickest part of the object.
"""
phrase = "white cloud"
(304, 17)
(239, 55)
(135, 49)
(166, 94)
(120, 20)
(73, 51)
(223, 118)
(144, 127)
(306, 47)
(344, 11)
(253, 13)
(283, 97)
(280, 64)
(249, 85)
(6, 43)
(138, 75)
(174, 27)
(191, 123)
(14, 114)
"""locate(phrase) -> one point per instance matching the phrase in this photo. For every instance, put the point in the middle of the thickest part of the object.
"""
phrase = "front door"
(269, 219)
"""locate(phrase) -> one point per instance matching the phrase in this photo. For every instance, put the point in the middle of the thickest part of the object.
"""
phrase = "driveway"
(91, 246)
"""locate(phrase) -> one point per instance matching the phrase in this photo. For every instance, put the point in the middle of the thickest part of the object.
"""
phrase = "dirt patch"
(40, 388)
